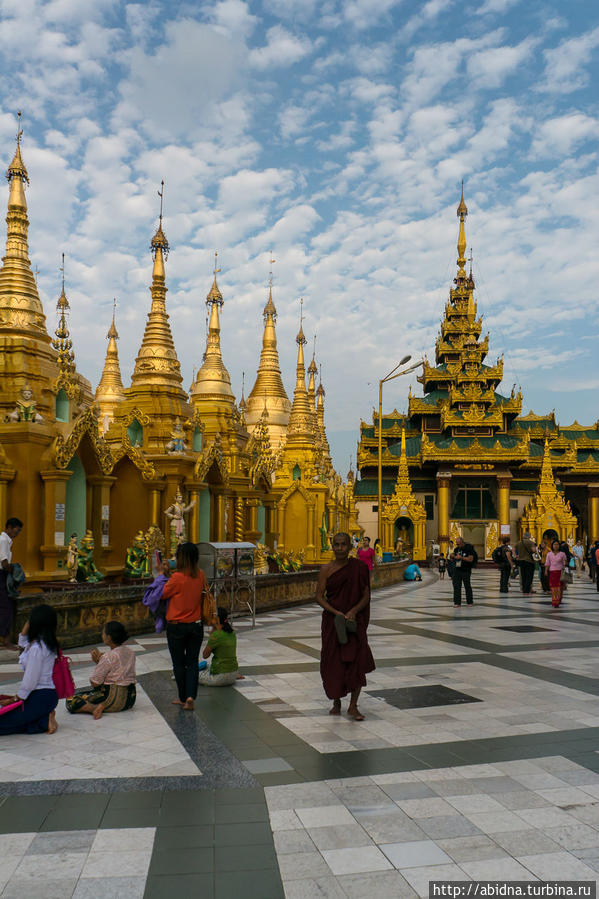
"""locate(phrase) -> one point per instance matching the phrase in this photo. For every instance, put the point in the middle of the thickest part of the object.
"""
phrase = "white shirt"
(37, 661)
(5, 548)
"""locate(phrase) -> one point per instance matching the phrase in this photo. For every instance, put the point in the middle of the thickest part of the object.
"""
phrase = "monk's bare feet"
(98, 711)
(336, 709)
(188, 705)
(241, 677)
(176, 702)
(52, 725)
(355, 713)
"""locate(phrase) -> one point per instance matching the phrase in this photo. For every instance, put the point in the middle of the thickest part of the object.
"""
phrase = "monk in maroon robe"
(344, 589)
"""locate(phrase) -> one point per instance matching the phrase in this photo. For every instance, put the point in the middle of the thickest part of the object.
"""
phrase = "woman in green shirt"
(222, 646)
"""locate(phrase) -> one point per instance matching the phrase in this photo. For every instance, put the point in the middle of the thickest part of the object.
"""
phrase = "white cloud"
(490, 67)
(495, 6)
(282, 48)
(559, 135)
(363, 14)
(565, 64)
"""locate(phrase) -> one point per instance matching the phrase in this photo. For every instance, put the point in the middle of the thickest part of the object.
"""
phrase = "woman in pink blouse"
(112, 680)
(555, 563)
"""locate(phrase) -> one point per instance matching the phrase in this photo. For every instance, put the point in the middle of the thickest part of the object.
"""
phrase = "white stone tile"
(324, 816)
(420, 853)
(115, 840)
(557, 866)
(356, 860)
(119, 864)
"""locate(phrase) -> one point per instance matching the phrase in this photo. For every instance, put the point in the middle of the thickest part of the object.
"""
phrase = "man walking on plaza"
(463, 559)
(343, 591)
(502, 556)
(11, 530)
(524, 550)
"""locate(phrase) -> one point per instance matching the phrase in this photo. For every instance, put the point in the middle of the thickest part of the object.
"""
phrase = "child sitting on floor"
(222, 645)
(112, 680)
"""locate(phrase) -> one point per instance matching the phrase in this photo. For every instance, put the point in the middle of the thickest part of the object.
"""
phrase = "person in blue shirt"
(412, 573)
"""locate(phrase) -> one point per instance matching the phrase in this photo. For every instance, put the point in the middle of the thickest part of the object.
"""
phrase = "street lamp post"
(390, 377)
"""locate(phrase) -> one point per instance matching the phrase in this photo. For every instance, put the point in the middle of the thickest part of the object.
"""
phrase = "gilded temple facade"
(475, 464)
(115, 461)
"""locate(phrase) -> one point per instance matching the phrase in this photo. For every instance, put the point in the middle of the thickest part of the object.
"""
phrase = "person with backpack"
(502, 556)
(526, 549)
(464, 559)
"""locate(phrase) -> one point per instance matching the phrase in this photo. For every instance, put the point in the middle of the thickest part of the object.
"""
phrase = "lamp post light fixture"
(390, 377)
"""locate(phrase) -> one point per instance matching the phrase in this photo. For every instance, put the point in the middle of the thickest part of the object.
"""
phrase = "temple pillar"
(100, 513)
(219, 517)
(195, 491)
(239, 519)
(312, 541)
(593, 513)
(6, 475)
(503, 505)
(156, 488)
(252, 532)
(443, 484)
(55, 490)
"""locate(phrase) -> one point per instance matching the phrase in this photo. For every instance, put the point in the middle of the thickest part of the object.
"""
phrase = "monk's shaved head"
(342, 536)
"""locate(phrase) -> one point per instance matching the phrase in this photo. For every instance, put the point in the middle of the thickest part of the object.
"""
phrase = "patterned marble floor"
(261, 793)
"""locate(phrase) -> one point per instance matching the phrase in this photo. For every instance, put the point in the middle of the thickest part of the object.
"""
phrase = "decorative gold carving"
(212, 454)
(491, 538)
(86, 423)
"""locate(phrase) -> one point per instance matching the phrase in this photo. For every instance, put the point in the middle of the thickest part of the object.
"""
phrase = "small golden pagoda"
(110, 391)
(268, 390)
(548, 510)
(404, 509)
(474, 460)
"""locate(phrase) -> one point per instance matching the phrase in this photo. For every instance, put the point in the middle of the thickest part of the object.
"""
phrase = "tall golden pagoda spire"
(403, 477)
(268, 389)
(110, 391)
(20, 306)
(300, 420)
(213, 381)
(462, 212)
(320, 395)
(157, 364)
(63, 345)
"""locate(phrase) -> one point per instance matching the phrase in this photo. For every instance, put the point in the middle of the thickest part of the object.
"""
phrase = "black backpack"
(474, 558)
(497, 555)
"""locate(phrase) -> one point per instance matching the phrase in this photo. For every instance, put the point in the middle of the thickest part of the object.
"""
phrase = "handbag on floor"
(62, 677)
(11, 705)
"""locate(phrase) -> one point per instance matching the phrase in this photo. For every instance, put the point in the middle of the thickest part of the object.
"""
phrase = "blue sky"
(334, 135)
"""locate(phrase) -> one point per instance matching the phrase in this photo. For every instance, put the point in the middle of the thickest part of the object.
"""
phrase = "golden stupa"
(114, 464)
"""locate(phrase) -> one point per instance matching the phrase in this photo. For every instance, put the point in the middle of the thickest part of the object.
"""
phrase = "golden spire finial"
(300, 339)
(272, 262)
(63, 344)
(214, 294)
(242, 402)
(462, 212)
(112, 331)
(159, 244)
(17, 167)
(270, 309)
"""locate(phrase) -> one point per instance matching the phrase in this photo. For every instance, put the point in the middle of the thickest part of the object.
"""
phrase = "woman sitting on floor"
(113, 679)
(222, 645)
(37, 692)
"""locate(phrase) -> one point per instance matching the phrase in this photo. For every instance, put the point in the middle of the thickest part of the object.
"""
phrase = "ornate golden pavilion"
(113, 462)
(472, 463)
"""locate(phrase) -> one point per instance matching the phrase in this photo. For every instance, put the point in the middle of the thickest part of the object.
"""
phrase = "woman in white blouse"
(37, 714)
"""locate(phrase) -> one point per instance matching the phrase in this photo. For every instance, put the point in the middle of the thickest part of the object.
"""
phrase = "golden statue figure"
(25, 410)
(86, 567)
(175, 513)
(71, 560)
(154, 542)
(136, 562)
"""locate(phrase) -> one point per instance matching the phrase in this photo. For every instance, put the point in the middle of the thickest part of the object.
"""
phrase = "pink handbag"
(12, 705)
(62, 677)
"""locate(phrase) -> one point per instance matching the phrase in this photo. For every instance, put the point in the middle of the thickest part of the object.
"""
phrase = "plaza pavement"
(478, 759)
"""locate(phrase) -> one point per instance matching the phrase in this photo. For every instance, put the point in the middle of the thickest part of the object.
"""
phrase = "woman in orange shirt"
(184, 629)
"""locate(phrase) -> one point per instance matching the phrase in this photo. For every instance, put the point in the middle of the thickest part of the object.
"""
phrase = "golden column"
(195, 488)
(239, 519)
(593, 513)
(6, 474)
(503, 503)
(252, 533)
(443, 484)
(100, 505)
(55, 490)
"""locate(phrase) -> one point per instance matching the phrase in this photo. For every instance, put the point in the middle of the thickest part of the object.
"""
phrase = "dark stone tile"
(244, 858)
(241, 796)
(421, 697)
(246, 834)
(184, 837)
(264, 884)
(168, 886)
(523, 628)
(137, 799)
(233, 814)
(131, 817)
(182, 861)
(72, 819)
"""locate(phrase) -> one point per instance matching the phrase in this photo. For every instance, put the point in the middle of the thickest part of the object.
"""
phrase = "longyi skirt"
(115, 697)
